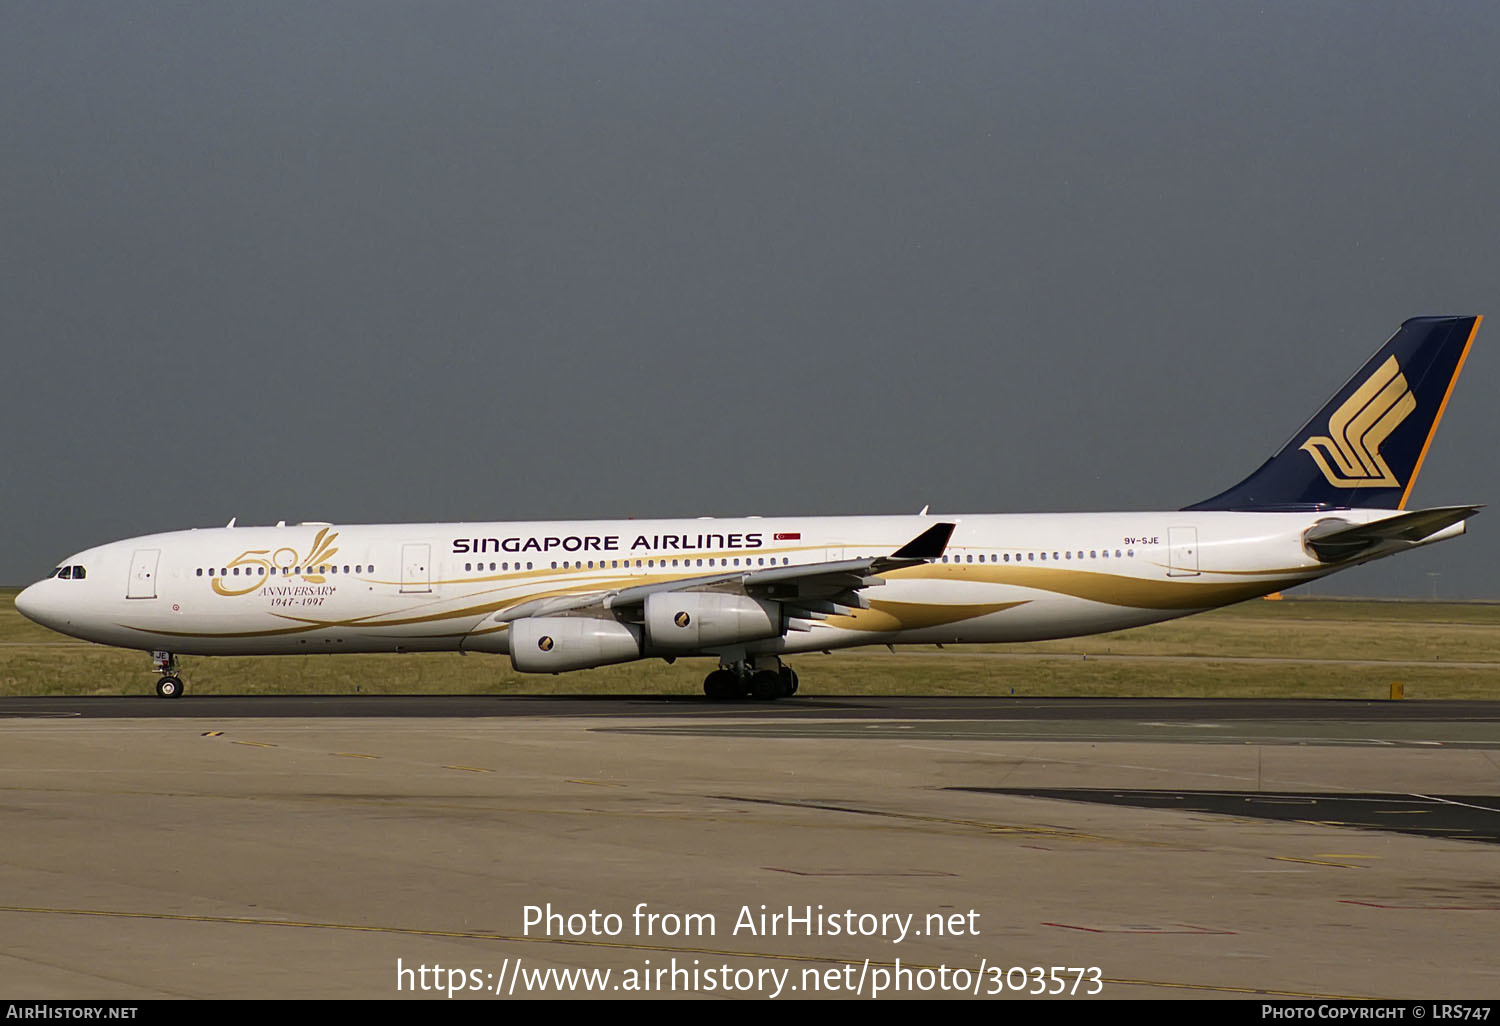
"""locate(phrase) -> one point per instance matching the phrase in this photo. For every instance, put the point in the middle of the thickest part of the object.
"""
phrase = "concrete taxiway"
(305, 847)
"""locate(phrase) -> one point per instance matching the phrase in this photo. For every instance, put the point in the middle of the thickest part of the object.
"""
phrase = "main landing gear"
(169, 685)
(758, 680)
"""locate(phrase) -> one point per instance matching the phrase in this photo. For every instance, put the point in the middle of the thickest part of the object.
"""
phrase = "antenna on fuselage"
(231, 521)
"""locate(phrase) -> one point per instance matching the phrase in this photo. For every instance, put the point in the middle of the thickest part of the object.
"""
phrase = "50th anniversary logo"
(263, 564)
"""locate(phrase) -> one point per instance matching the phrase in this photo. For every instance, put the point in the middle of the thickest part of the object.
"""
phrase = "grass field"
(1308, 648)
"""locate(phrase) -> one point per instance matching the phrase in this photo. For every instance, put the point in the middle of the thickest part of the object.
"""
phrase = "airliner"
(745, 593)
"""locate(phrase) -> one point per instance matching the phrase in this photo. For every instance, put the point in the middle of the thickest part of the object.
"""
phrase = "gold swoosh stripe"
(907, 616)
(1110, 589)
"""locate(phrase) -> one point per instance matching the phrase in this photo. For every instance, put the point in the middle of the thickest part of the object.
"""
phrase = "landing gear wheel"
(721, 684)
(768, 684)
(169, 687)
(789, 680)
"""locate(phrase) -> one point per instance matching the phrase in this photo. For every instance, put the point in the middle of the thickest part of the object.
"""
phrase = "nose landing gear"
(169, 684)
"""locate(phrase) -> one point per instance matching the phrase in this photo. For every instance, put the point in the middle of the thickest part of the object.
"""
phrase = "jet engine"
(553, 644)
(681, 621)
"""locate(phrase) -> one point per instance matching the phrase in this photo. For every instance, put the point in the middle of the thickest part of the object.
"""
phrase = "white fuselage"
(435, 587)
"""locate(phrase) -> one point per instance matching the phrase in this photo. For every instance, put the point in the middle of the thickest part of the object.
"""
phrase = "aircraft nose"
(33, 604)
(26, 602)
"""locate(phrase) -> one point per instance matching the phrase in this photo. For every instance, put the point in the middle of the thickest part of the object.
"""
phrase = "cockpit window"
(65, 572)
(79, 573)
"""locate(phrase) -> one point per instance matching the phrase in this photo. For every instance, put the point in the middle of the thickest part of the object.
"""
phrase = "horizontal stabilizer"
(1335, 540)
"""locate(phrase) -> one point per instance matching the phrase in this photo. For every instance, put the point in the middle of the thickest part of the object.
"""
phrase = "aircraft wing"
(1335, 540)
(811, 590)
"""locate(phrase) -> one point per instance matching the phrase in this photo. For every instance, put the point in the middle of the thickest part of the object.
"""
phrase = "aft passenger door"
(1182, 543)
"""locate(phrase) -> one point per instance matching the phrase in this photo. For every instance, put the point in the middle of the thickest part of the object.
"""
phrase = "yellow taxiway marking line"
(470, 769)
(355, 755)
(254, 744)
(1313, 862)
(593, 783)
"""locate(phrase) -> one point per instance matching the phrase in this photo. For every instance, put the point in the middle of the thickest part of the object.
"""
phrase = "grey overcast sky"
(476, 261)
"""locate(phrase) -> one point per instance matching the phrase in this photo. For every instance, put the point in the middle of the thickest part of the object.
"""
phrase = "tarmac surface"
(344, 847)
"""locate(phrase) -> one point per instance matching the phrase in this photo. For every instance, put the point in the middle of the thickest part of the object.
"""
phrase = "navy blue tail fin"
(1365, 447)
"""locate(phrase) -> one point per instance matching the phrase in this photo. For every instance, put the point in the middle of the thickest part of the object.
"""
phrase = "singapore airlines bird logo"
(1349, 455)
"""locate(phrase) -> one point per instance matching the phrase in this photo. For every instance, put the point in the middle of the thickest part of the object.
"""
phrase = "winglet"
(927, 545)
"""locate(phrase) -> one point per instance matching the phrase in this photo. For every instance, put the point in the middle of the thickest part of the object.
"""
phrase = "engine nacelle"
(680, 621)
(553, 644)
